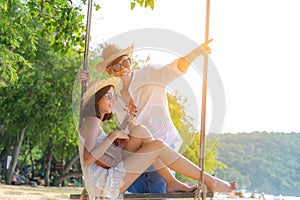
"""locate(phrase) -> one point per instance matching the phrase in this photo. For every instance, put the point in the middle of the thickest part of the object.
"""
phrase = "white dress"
(101, 183)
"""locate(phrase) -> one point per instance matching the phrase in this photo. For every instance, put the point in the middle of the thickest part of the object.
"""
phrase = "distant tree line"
(261, 161)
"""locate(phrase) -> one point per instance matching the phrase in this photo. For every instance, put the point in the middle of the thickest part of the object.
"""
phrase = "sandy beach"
(13, 192)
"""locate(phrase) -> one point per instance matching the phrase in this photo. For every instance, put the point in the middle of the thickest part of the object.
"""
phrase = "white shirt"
(148, 91)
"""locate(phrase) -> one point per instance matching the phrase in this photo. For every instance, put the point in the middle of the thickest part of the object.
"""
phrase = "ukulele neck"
(123, 125)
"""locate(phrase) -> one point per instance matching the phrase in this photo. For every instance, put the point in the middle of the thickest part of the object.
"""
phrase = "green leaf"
(151, 3)
(97, 7)
(132, 5)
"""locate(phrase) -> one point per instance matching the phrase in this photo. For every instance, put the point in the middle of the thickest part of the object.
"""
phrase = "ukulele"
(113, 156)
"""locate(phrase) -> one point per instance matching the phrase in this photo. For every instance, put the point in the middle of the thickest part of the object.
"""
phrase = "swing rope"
(203, 107)
(86, 51)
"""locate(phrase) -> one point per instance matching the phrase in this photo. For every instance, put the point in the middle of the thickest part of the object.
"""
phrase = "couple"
(144, 144)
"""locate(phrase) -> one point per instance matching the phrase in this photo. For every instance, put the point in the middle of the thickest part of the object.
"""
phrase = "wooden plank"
(159, 196)
(75, 196)
(176, 195)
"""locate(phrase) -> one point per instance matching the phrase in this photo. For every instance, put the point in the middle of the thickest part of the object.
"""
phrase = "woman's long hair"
(91, 108)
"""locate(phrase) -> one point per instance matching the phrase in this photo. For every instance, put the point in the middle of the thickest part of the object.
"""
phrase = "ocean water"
(257, 196)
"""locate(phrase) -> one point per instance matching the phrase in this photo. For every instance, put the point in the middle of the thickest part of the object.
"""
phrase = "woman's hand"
(121, 138)
(119, 134)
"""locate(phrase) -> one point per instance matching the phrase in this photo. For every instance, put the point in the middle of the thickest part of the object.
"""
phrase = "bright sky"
(254, 49)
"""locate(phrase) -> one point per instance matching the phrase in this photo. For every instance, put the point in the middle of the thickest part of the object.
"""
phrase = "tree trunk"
(49, 160)
(62, 155)
(70, 164)
(66, 176)
(16, 153)
(31, 159)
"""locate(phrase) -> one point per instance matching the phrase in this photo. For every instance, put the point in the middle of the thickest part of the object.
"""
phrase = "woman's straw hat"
(98, 84)
(110, 53)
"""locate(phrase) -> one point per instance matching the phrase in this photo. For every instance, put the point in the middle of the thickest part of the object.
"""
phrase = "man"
(145, 91)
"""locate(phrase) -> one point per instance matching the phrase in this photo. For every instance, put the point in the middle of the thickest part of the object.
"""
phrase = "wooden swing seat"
(173, 195)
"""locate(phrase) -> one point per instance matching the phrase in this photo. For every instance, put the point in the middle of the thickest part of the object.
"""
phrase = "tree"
(41, 101)
(36, 40)
(24, 22)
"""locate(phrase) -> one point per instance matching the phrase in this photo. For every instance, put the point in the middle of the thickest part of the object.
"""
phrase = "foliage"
(41, 101)
(191, 139)
(142, 3)
(15, 32)
(40, 50)
(261, 161)
(23, 23)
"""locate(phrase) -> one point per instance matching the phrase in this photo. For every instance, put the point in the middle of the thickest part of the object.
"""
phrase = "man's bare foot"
(178, 186)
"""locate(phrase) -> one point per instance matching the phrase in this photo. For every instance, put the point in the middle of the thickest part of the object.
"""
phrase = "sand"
(13, 192)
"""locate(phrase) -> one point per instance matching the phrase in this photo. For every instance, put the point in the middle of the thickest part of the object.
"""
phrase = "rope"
(86, 51)
(203, 111)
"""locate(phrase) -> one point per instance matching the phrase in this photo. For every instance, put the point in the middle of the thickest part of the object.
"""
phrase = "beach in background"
(24, 192)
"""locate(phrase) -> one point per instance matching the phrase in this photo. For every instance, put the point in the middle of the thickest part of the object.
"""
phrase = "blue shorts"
(148, 182)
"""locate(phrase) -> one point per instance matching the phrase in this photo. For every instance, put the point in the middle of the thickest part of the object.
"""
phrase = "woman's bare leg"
(138, 137)
(182, 165)
(173, 185)
(148, 154)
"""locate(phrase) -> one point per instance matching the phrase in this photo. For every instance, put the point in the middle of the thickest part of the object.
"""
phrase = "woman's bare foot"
(222, 186)
(178, 186)
(233, 186)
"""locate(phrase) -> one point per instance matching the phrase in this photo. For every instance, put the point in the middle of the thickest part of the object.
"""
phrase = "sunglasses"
(125, 62)
(111, 96)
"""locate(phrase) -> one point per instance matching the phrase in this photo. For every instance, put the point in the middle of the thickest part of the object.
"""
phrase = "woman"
(140, 151)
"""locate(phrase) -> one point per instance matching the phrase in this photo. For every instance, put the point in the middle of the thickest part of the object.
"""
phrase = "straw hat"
(110, 53)
(98, 84)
